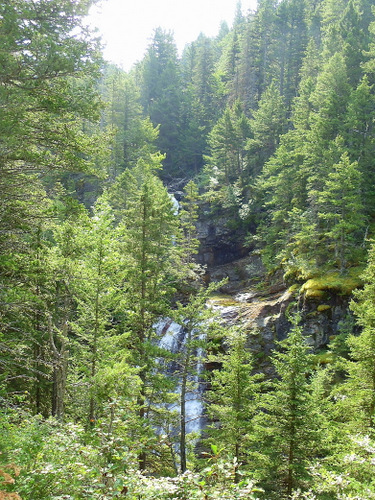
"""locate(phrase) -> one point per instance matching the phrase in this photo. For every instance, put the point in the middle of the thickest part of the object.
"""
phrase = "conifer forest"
(187, 258)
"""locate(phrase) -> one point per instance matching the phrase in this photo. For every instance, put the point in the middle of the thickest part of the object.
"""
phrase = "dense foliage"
(269, 125)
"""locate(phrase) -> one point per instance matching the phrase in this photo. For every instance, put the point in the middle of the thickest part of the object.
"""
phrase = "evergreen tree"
(227, 163)
(267, 125)
(234, 398)
(204, 81)
(359, 137)
(329, 100)
(359, 388)
(341, 213)
(193, 134)
(96, 294)
(355, 29)
(248, 71)
(305, 158)
(369, 62)
(49, 68)
(147, 231)
(195, 319)
(289, 426)
(297, 42)
(134, 136)
(25, 280)
(161, 96)
(60, 305)
(48, 81)
(229, 62)
(188, 215)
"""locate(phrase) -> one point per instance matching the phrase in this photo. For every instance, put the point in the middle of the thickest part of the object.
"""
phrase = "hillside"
(187, 259)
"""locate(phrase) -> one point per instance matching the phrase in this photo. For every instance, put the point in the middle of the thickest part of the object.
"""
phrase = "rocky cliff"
(263, 304)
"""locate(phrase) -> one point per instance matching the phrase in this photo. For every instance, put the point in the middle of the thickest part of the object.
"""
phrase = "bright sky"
(126, 26)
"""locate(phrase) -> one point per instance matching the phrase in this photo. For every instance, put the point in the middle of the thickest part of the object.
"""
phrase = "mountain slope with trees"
(266, 130)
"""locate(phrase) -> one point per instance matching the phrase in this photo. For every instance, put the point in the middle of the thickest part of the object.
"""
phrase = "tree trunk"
(183, 422)
(60, 368)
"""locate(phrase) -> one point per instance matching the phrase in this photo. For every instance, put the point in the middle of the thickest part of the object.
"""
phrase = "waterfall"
(175, 204)
(172, 337)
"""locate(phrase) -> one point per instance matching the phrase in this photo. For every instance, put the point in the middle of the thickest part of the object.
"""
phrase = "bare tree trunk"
(183, 421)
(60, 369)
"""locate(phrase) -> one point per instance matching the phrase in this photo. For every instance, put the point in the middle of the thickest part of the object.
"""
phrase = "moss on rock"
(319, 286)
(323, 307)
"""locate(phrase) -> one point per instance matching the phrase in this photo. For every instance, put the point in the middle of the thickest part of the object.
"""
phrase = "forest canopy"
(106, 330)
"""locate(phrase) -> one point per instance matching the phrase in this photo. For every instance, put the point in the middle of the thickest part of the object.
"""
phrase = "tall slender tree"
(234, 398)
(289, 426)
(148, 232)
(194, 316)
(96, 295)
(161, 96)
(49, 68)
(359, 388)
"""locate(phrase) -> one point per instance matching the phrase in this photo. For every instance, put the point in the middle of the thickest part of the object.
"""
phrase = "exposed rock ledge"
(263, 309)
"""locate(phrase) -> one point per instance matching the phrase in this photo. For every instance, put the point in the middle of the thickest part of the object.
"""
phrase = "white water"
(173, 338)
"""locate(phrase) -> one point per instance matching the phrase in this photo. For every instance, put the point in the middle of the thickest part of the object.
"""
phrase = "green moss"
(223, 300)
(296, 273)
(323, 307)
(294, 288)
(313, 293)
(318, 287)
(324, 358)
(312, 314)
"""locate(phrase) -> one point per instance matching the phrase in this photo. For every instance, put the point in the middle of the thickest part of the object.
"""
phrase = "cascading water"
(173, 338)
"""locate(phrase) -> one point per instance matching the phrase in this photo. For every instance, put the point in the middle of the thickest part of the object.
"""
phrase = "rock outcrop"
(263, 304)
(263, 308)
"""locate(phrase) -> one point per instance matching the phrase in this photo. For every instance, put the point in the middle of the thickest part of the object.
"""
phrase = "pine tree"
(60, 303)
(25, 279)
(329, 100)
(204, 81)
(267, 125)
(96, 295)
(234, 398)
(359, 137)
(147, 232)
(305, 158)
(341, 213)
(289, 427)
(266, 43)
(248, 70)
(227, 163)
(57, 73)
(161, 96)
(229, 63)
(195, 318)
(134, 136)
(289, 40)
(359, 388)
(188, 215)
(283, 183)
(48, 92)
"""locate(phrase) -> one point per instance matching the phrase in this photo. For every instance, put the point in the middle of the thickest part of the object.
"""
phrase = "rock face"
(261, 307)
(242, 274)
(219, 243)
(262, 316)
(321, 322)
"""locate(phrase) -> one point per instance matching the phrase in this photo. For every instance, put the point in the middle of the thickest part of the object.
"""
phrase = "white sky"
(126, 26)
